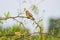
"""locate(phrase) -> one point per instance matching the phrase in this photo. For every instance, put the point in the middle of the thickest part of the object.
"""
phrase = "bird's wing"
(30, 14)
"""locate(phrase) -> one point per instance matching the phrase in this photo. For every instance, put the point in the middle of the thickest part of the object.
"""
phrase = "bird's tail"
(33, 18)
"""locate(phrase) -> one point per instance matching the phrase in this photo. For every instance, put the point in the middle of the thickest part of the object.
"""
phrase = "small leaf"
(0, 38)
(40, 20)
(36, 26)
(32, 23)
(7, 14)
(34, 8)
(8, 38)
(24, 9)
(4, 31)
(1, 22)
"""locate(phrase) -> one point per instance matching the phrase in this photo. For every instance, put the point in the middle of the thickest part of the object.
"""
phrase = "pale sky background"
(51, 7)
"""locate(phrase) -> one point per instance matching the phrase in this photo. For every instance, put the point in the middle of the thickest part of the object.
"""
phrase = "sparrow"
(29, 15)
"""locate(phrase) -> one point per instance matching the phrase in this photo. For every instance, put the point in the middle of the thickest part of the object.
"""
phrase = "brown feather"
(29, 15)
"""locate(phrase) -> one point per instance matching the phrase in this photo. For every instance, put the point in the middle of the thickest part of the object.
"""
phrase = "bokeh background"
(47, 9)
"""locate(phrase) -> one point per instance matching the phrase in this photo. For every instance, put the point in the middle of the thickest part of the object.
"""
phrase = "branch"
(37, 24)
(3, 18)
(20, 22)
(43, 33)
(13, 34)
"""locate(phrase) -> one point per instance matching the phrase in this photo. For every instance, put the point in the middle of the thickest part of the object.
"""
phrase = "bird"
(29, 15)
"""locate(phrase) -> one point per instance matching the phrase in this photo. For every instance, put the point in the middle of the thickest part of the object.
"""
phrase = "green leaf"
(4, 32)
(8, 38)
(36, 26)
(14, 37)
(34, 8)
(1, 22)
(20, 24)
(24, 9)
(40, 20)
(32, 23)
(0, 38)
(7, 14)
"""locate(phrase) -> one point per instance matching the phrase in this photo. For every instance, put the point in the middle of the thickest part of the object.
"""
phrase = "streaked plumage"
(29, 15)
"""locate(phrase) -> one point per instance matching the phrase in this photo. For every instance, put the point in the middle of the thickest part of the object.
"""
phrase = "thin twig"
(19, 22)
(3, 18)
